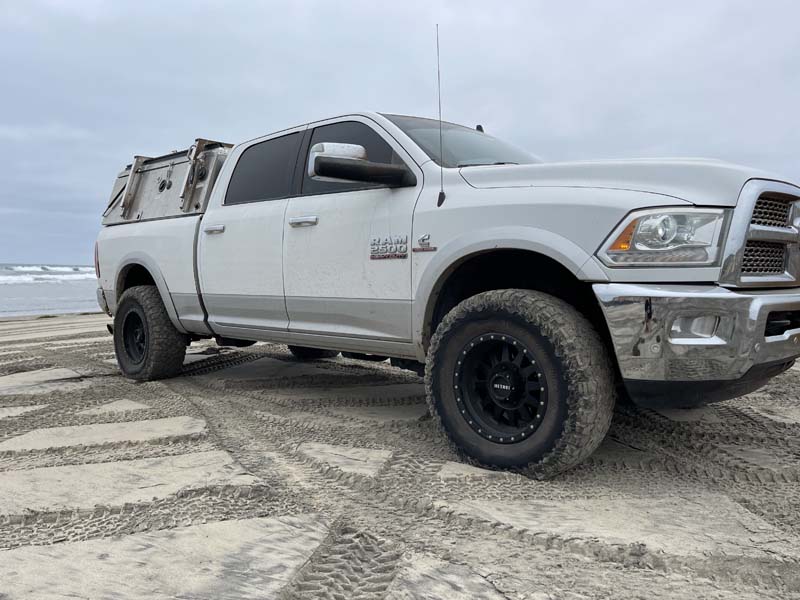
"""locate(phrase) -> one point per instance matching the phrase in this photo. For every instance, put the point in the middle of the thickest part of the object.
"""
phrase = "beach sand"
(254, 475)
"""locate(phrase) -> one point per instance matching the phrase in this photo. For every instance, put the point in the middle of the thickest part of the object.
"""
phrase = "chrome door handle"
(307, 221)
(215, 229)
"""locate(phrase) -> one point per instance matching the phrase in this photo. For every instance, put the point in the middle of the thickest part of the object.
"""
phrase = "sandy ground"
(254, 475)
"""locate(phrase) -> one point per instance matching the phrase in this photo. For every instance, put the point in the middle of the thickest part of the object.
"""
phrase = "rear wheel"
(305, 353)
(517, 378)
(146, 342)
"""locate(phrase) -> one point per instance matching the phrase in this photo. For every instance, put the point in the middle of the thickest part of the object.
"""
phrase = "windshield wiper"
(500, 162)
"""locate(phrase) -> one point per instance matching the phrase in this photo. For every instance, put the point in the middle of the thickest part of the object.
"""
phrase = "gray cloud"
(87, 84)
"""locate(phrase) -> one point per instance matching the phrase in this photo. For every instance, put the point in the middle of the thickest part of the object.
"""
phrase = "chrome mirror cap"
(333, 150)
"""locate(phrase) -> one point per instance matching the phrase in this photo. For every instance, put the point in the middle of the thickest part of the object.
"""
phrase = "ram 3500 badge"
(533, 296)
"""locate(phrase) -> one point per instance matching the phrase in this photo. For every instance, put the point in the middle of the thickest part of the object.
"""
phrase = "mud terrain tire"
(544, 415)
(146, 342)
(305, 353)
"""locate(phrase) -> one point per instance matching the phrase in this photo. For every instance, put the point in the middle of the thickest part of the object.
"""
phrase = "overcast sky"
(86, 84)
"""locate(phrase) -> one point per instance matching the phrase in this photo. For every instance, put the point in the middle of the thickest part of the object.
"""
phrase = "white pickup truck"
(531, 294)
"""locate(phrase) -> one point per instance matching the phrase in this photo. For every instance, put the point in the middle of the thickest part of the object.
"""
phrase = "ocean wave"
(45, 278)
(69, 269)
(46, 268)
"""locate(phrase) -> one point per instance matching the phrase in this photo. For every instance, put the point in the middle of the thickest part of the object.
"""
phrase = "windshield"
(462, 146)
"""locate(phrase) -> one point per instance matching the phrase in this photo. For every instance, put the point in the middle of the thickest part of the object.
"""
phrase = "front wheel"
(146, 342)
(520, 379)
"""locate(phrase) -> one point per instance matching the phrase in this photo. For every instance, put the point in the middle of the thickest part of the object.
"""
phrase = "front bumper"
(651, 347)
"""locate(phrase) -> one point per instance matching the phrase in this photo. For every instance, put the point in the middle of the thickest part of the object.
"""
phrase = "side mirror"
(348, 162)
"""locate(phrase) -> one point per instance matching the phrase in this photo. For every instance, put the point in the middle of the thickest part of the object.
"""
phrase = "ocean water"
(47, 289)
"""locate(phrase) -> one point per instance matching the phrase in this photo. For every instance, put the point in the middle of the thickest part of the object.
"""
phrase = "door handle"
(215, 229)
(307, 221)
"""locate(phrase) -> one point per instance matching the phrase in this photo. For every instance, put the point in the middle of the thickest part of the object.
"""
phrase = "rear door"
(241, 237)
(347, 269)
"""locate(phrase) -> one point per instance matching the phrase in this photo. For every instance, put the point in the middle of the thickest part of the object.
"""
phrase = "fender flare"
(453, 253)
(144, 260)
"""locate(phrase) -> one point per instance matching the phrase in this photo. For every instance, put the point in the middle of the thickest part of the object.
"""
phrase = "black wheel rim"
(500, 388)
(134, 337)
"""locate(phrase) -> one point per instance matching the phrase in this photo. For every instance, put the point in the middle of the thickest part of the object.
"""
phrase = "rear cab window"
(264, 171)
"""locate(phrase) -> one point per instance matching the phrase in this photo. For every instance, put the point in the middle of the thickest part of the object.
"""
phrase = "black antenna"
(440, 201)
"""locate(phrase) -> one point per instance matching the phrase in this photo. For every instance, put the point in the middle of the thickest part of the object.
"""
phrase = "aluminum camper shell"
(171, 185)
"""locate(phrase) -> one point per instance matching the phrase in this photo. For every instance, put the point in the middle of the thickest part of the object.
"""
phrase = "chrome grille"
(764, 258)
(762, 247)
(772, 212)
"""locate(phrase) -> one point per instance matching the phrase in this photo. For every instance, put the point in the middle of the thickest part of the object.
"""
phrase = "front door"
(347, 245)
(241, 237)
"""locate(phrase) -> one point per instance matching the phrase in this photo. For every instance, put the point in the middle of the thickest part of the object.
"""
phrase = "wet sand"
(254, 475)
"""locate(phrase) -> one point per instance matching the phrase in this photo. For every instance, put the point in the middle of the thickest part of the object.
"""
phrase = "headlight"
(667, 236)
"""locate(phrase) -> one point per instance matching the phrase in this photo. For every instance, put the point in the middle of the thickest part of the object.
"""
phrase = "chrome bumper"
(650, 345)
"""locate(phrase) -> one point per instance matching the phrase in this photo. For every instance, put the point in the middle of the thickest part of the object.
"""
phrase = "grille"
(771, 212)
(764, 258)
(763, 247)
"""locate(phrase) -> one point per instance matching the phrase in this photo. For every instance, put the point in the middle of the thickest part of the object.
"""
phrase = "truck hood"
(703, 182)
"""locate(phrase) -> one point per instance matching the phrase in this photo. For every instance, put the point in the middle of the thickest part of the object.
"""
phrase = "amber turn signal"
(624, 239)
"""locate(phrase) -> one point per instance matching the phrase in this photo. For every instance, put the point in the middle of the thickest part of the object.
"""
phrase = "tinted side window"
(264, 171)
(348, 132)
